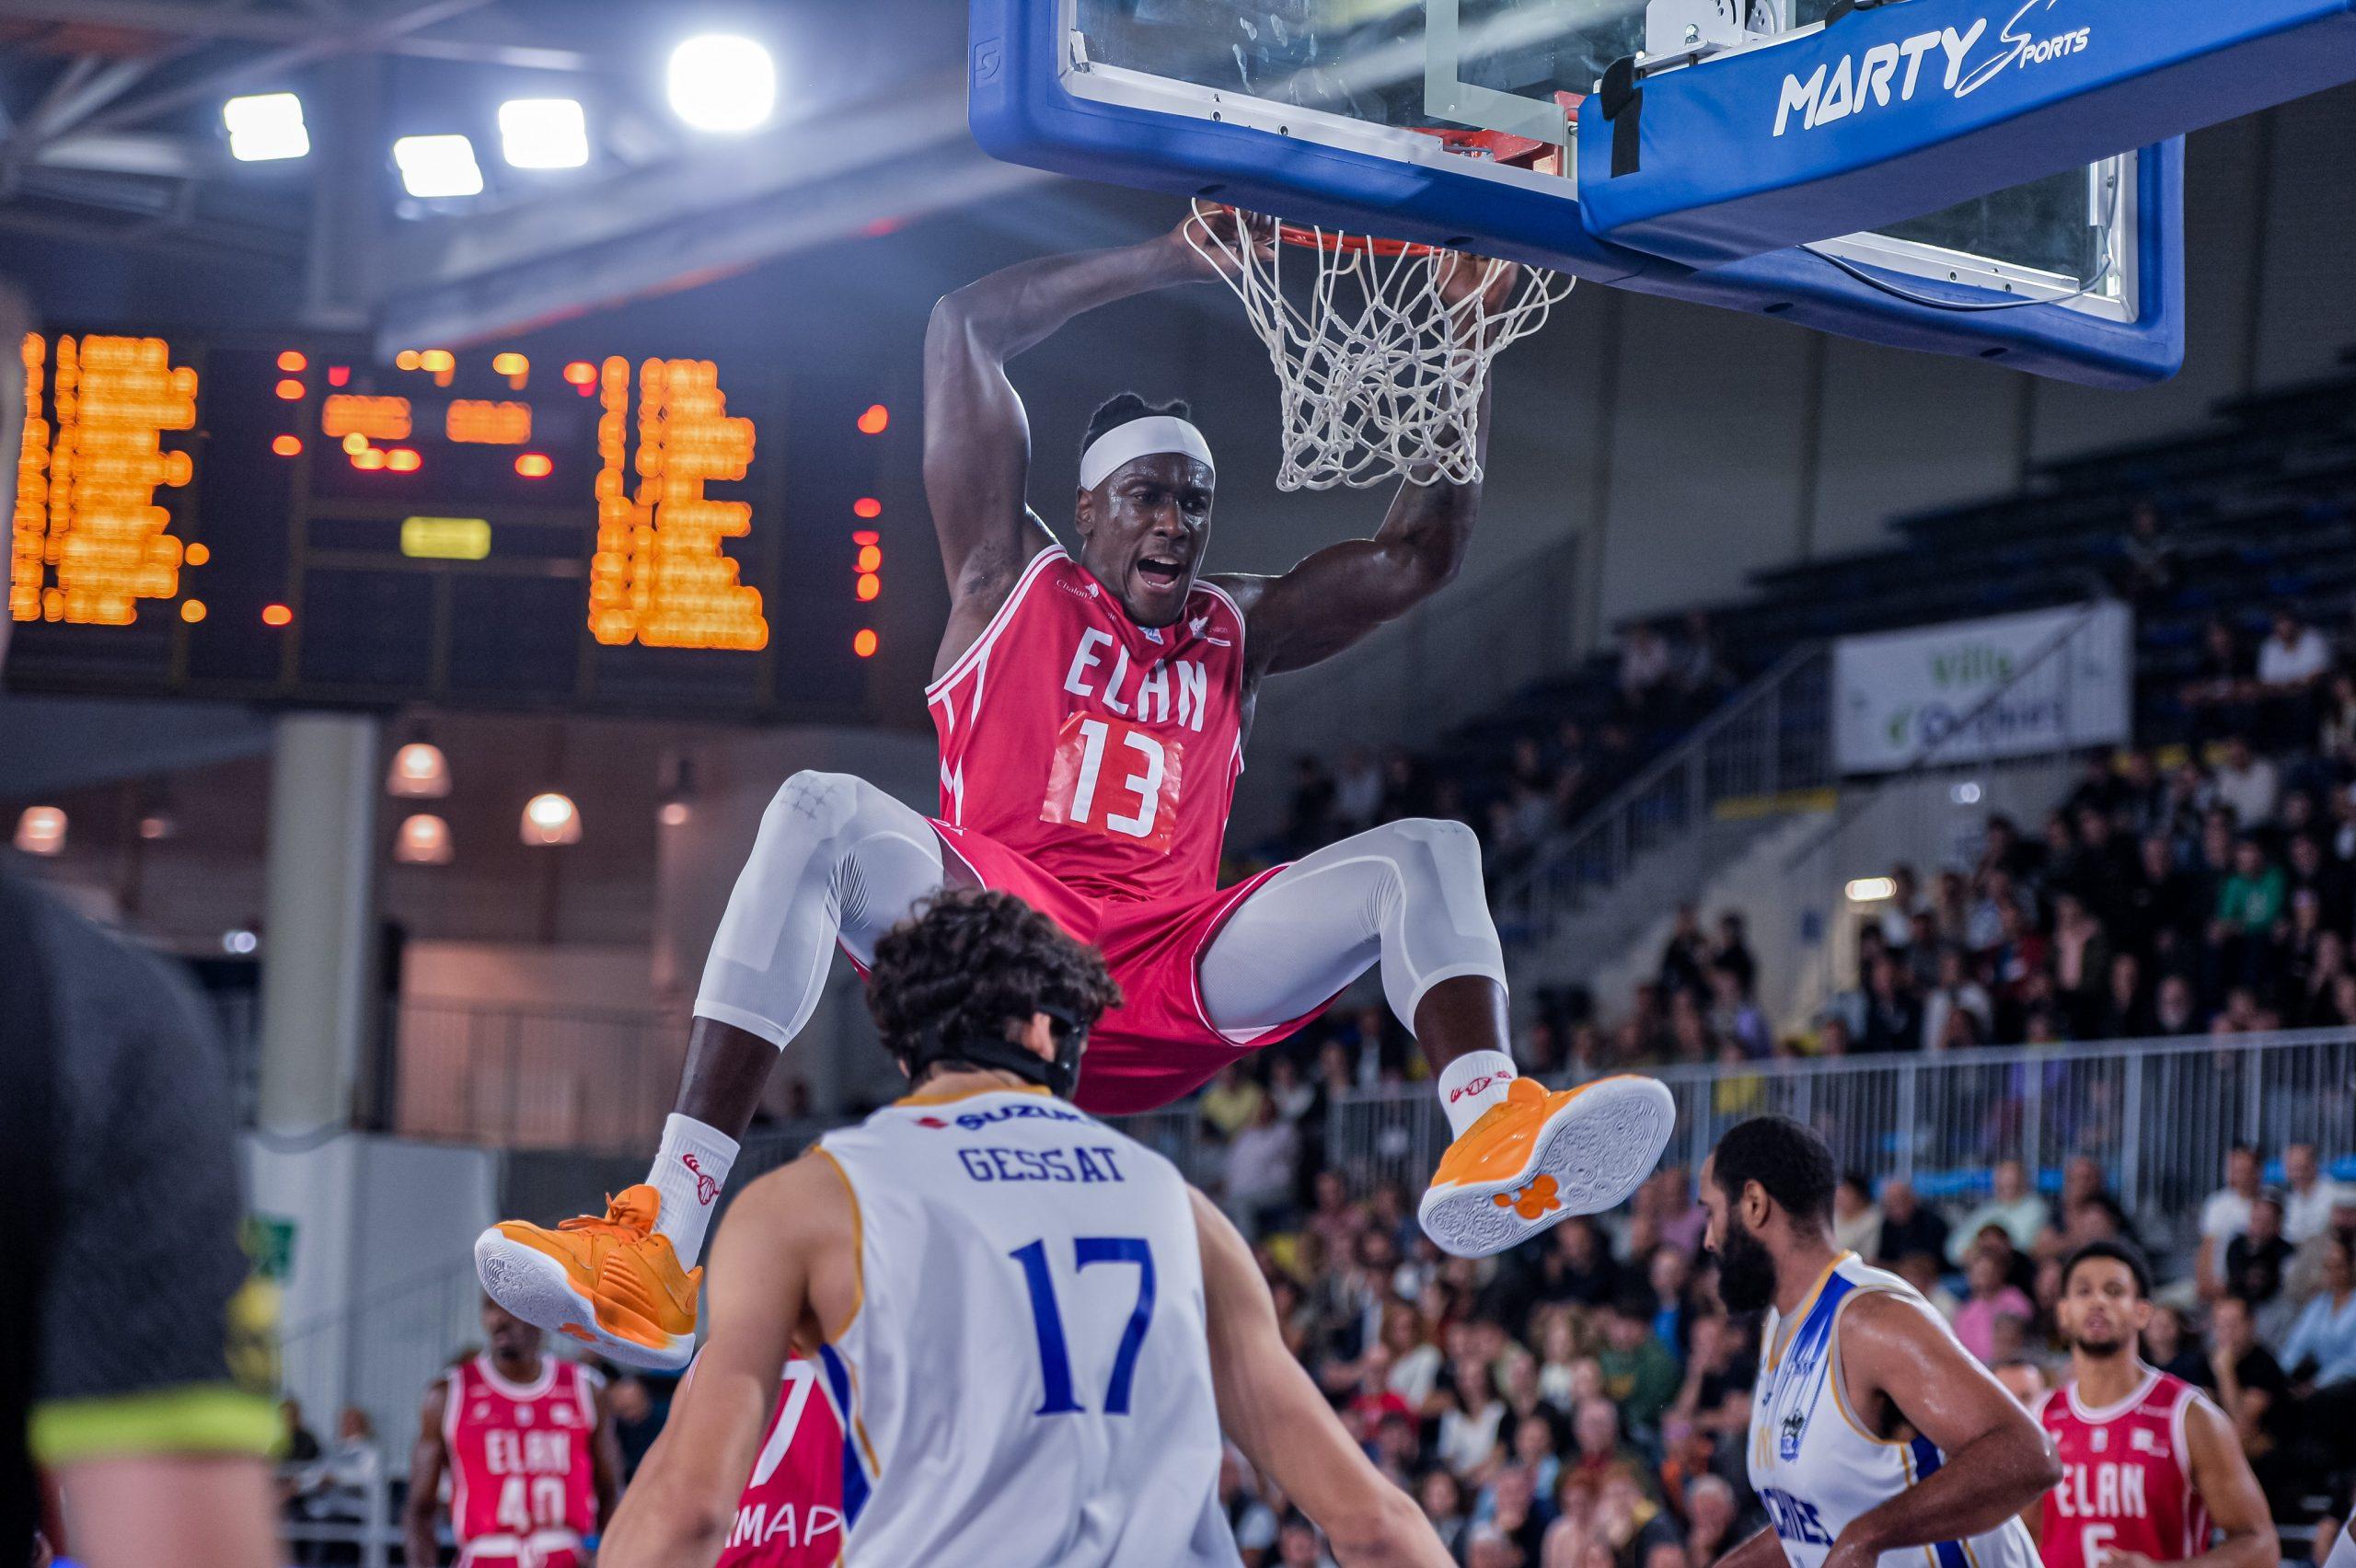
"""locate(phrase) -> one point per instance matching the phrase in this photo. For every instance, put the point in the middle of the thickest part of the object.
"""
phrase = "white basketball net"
(1380, 375)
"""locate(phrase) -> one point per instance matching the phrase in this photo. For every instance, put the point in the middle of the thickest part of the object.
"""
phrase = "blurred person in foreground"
(136, 1366)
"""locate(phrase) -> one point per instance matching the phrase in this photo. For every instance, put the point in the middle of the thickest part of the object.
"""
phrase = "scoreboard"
(291, 521)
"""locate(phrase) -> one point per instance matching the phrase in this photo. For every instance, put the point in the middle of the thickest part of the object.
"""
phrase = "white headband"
(1145, 437)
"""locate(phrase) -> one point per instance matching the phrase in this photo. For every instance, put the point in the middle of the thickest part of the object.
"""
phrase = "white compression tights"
(837, 858)
(1407, 894)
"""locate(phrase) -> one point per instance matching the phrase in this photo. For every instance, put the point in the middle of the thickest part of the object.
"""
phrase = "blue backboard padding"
(2045, 340)
(1020, 112)
(1714, 181)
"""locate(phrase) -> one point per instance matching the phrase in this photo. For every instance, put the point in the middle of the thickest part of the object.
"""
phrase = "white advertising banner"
(1968, 691)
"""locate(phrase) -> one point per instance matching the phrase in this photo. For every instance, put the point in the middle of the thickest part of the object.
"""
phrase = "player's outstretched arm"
(2221, 1475)
(1997, 1461)
(1342, 593)
(426, 1458)
(682, 1503)
(977, 436)
(1271, 1407)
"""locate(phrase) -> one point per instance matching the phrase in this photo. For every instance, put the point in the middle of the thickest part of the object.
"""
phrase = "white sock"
(690, 1170)
(1472, 1083)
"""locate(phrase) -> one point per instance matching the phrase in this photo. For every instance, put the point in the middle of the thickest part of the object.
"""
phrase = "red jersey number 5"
(1113, 779)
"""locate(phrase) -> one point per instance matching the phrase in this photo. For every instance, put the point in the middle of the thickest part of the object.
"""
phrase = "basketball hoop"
(1379, 375)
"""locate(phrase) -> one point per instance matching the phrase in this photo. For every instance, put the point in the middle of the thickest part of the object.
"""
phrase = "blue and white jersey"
(1815, 1465)
(1026, 1378)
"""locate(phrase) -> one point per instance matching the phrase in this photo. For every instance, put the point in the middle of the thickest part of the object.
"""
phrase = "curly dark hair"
(1120, 409)
(970, 961)
(1784, 1158)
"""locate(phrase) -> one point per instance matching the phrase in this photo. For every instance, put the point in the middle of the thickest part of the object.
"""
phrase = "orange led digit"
(375, 418)
(487, 423)
(659, 577)
(89, 539)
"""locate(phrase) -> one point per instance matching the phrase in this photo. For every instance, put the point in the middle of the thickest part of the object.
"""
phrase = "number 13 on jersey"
(1115, 778)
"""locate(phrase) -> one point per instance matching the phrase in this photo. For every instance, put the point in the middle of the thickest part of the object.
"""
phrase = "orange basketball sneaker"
(613, 1283)
(1535, 1159)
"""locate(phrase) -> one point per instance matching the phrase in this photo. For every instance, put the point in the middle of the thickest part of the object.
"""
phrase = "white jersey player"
(1030, 1327)
(1876, 1437)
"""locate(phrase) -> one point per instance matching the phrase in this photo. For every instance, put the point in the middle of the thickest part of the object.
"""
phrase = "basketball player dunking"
(2151, 1470)
(1877, 1441)
(529, 1443)
(1028, 1329)
(1092, 705)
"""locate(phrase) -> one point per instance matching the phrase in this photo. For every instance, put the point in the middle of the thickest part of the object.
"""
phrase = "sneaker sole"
(538, 1289)
(1599, 1148)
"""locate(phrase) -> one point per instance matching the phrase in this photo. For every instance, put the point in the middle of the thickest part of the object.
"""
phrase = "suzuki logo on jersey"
(973, 1121)
(2106, 1491)
(1151, 695)
(1893, 71)
(706, 1188)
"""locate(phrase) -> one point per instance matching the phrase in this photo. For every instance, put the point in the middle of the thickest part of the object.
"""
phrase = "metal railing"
(2157, 1115)
(1771, 738)
(380, 1351)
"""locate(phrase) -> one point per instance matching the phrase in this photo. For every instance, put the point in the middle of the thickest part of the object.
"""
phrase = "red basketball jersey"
(1104, 751)
(791, 1512)
(522, 1481)
(2126, 1477)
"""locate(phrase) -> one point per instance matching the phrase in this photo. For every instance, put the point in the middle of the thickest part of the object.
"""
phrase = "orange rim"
(1499, 145)
(1329, 239)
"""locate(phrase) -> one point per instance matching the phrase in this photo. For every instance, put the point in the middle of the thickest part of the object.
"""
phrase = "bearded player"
(2151, 1470)
(1093, 704)
(529, 1443)
(1875, 1440)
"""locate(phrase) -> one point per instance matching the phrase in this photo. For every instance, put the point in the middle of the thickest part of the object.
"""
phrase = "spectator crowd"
(1531, 784)
(1583, 1402)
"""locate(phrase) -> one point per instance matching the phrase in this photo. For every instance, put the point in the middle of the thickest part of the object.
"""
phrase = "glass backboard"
(1366, 75)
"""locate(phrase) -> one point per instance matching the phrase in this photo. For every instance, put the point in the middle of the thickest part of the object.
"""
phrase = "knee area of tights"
(811, 804)
(1444, 841)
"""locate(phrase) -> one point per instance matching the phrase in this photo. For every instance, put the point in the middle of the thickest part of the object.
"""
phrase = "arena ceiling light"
(419, 771)
(722, 82)
(550, 819)
(543, 133)
(435, 166)
(41, 831)
(424, 840)
(265, 127)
